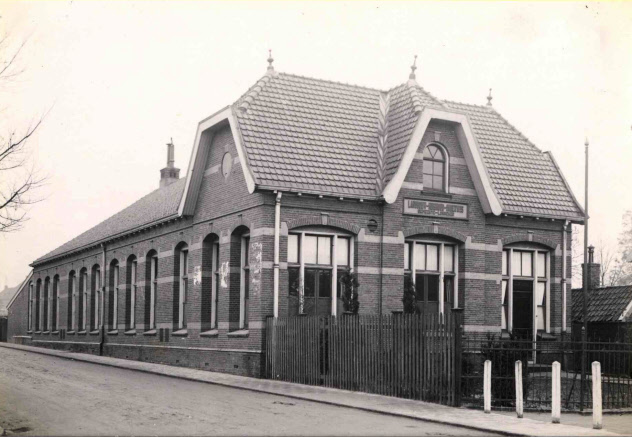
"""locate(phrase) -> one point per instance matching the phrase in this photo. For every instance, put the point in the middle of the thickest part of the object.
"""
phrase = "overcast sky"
(122, 78)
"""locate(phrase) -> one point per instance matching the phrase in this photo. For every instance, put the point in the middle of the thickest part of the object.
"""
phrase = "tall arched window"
(46, 305)
(96, 298)
(30, 309)
(83, 299)
(181, 267)
(434, 169)
(56, 301)
(151, 278)
(38, 312)
(239, 283)
(114, 295)
(72, 301)
(210, 282)
(130, 301)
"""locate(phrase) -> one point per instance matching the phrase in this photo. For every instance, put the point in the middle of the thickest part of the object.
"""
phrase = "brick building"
(297, 182)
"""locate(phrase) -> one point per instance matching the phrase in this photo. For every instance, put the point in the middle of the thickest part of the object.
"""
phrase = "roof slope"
(512, 162)
(5, 297)
(605, 304)
(155, 206)
(308, 134)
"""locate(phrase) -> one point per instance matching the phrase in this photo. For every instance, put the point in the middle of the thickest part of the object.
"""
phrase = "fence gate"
(406, 355)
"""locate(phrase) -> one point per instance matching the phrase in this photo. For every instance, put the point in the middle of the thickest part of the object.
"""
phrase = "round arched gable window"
(434, 168)
(227, 164)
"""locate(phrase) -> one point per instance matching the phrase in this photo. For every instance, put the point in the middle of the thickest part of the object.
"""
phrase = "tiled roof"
(525, 179)
(307, 134)
(605, 304)
(155, 206)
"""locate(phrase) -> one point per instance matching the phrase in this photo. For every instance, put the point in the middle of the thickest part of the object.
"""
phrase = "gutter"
(277, 224)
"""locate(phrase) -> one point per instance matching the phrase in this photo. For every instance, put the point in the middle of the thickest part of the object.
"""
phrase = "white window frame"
(244, 265)
(153, 269)
(214, 282)
(535, 278)
(334, 262)
(182, 295)
(132, 315)
(441, 267)
(446, 166)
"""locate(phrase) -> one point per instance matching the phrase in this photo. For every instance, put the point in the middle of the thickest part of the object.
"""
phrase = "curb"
(130, 365)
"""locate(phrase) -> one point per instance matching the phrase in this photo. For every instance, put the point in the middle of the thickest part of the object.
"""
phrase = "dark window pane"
(310, 282)
(293, 282)
(419, 287)
(433, 288)
(324, 283)
(448, 286)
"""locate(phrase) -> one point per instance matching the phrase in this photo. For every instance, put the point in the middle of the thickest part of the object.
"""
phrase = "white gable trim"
(195, 171)
(473, 159)
(17, 293)
(626, 311)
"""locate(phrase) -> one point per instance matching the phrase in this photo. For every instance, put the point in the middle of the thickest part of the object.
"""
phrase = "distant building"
(296, 183)
(609, 309)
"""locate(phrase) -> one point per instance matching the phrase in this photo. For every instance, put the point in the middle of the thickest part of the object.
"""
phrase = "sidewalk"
(473, 419)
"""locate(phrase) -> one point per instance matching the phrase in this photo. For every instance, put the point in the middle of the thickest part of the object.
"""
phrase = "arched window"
(72, 301)
(30, 309)
(96, 298)
(83, 299)
(181, 268)
(239, 281)
(151, 278)
(434, 168)
(46, 305)
(210, 282)
(432, 266)
(38, 312)
(114, 295)
(317, 257)
(55, 304)
(130, 301)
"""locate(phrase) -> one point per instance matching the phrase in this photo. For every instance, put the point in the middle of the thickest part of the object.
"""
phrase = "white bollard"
(556, 395)
(519, 404)
(487, 386)
(596, 386)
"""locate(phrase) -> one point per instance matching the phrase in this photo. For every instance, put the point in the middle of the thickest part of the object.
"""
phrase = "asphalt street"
(45, 395)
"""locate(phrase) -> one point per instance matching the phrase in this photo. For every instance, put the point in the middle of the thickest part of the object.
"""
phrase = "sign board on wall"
(432, 208)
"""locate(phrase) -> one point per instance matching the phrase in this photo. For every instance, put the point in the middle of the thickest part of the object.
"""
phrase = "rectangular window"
(292, 248)
(245, 282)
(541, 302)
(420, 256)
(310, 250)
(324, 250)
(505, 262)
(432, 257)
(448, 289)
(448, 258)
(184, 257)
(527, 264)
(214, 285)
(115, 300)
(516, 264)
(505, 304)
(153, 289)
(342, 251)
(541, 265)
(406, 256)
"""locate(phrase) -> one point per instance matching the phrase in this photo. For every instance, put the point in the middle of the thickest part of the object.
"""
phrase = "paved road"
(41, 394)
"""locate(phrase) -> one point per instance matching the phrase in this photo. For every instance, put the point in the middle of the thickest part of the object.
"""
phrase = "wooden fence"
(406, 355)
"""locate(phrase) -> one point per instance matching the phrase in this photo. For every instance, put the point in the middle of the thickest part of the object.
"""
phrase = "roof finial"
(270, 60)
(489, 98)
(586, 143)
(412, 69)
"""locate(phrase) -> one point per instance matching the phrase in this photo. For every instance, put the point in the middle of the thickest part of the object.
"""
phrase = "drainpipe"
(564, 232)
(277, 224)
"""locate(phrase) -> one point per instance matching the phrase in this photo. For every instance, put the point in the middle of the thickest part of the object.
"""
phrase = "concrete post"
(487, 386)
(596, 386)
(556, 398)
(519, 400)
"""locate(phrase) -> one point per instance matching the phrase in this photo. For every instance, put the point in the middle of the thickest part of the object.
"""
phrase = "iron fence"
(537, 358)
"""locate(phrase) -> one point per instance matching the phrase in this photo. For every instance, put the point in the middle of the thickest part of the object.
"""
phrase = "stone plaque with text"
(433, 208)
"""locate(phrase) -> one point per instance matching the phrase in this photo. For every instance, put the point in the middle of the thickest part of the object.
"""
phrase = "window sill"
(180, 333)
(113, 332)
(29, 332)
(546, 336)
(95, 332)
(240, 333)
(45, 332)
(440, 194)
(70, 332)
(82, 332)
(211, 333)
(130, 332)
(37, 332)
(150, 332)
(55, 332)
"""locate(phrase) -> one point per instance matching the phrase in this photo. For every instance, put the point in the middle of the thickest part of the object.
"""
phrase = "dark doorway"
(523, 309)
(317, 292)
(427, 289)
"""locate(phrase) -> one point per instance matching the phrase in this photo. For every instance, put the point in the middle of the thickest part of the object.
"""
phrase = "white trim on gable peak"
(19, 290)
(482, 184)
(204, 137)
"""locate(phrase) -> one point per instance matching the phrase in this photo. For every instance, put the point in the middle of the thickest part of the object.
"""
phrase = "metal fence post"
(487, 386)
(596, 387)
(519, 400)
(556, 395)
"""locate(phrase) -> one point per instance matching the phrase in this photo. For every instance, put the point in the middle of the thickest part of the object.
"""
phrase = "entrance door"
(427, 289)
(317, 292)
(523, 309)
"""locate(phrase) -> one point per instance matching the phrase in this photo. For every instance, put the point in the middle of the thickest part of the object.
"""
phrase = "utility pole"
(586, 281)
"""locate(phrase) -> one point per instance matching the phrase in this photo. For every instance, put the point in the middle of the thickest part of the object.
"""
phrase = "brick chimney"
(594, 269)
(169, 174)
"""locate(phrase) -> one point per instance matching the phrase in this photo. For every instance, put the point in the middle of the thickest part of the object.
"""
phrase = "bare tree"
(609, 260)
(19, 180)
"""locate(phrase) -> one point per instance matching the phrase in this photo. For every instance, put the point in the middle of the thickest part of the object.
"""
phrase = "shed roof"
(605, 304)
